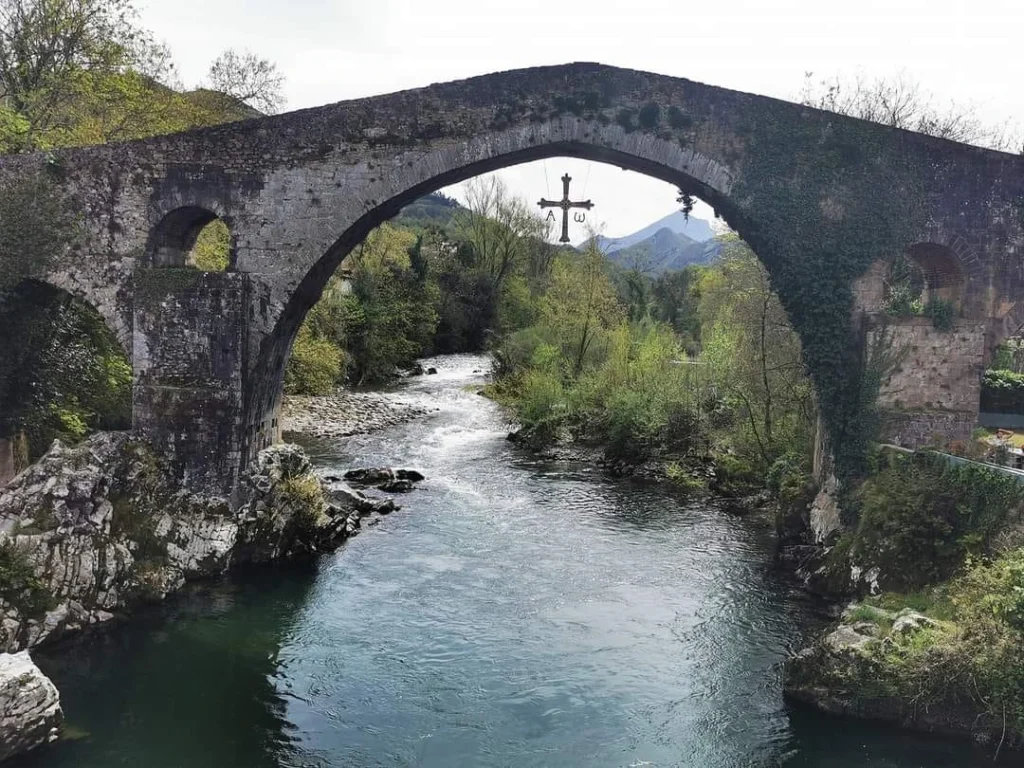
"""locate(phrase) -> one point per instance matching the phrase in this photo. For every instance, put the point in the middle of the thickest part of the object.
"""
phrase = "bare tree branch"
(902, 103)
(249, 78)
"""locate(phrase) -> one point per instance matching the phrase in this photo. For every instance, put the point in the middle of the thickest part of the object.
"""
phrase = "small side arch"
(172, 240)
(923, 272)
(944, 277)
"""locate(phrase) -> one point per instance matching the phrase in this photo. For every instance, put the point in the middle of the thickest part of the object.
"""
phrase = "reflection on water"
(514, 614)
(191, 684)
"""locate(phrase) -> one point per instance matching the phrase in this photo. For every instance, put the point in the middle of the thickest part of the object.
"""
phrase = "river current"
(514, 613)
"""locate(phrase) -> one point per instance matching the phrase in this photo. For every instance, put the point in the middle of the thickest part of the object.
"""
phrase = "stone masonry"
(300, 190)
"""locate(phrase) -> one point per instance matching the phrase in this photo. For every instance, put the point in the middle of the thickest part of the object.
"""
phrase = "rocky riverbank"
(902, 667)
(348, 413)
(90, 532)
(30, 713)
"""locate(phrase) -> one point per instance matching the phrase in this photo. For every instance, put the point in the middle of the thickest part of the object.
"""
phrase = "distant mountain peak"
(671, 243)
(695, 229)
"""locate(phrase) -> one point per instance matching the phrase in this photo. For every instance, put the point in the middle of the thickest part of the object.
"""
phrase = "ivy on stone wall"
(36, 226)
(810, 210)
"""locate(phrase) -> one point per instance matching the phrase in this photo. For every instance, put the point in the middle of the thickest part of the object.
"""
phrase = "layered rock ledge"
(30, 713)
(859, 669)
(91, 531)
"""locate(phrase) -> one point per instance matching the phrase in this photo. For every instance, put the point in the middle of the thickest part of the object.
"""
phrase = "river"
(514, 613)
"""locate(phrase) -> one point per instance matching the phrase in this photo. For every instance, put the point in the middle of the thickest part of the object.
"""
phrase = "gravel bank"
(348, 413)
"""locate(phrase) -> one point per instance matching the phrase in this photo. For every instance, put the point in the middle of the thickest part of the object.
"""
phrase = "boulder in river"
(30, 713)
(396, 486)
(357, 502)
(385, 478)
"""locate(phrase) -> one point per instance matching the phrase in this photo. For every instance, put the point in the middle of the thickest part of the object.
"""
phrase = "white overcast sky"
(970, 51)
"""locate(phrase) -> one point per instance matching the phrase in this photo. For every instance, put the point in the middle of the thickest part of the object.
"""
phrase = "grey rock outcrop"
(91, 531)
(826, 521)
(30, 713)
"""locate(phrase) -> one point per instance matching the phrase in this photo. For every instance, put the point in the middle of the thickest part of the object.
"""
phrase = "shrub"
(19, 585)
(920, 518)
(942, 313)
(631, 425)
(649, 115)
(1002, 392)
(972, 657)
(315, 365)
(306, 494)
(783, 470)
(682, 479)
(540, 407)
(737, 475)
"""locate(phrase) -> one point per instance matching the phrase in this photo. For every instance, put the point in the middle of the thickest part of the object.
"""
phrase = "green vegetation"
(696, 366)
(905, 295)
(306, 493)
(82, 73)
(65, 374)
(212, 250)
(19, 585)
(1002, 391)
(440, 279)
(961, 667)
(921, 518)
(692, 366)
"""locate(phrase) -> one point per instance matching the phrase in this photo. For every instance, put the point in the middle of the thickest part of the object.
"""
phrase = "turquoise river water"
(514, 613)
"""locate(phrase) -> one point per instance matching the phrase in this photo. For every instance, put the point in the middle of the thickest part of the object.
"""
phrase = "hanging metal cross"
(565, 204)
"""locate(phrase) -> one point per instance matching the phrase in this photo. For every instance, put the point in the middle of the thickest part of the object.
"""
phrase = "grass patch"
(19, 585)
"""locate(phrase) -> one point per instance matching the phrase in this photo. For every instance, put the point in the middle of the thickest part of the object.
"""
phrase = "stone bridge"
(824, 200)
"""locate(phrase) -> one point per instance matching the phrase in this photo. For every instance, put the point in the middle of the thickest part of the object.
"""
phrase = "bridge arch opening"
(701, 178)
(65, 376)
(191, 236)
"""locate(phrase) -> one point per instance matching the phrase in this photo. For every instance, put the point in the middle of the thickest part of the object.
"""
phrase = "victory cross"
(565, 204)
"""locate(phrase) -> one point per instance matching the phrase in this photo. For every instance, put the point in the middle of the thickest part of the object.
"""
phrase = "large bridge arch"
(706, 177)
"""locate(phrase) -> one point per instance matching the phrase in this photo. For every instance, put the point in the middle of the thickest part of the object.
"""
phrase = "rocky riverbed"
(348, 413)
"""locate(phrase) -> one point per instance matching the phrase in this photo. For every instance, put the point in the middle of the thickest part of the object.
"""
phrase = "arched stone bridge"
(818, 196)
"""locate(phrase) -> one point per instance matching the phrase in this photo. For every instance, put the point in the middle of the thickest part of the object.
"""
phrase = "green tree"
(676, 298)
(580, 304)
(754, 353)
(497, 236)
(80, 72)
(391, 316)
